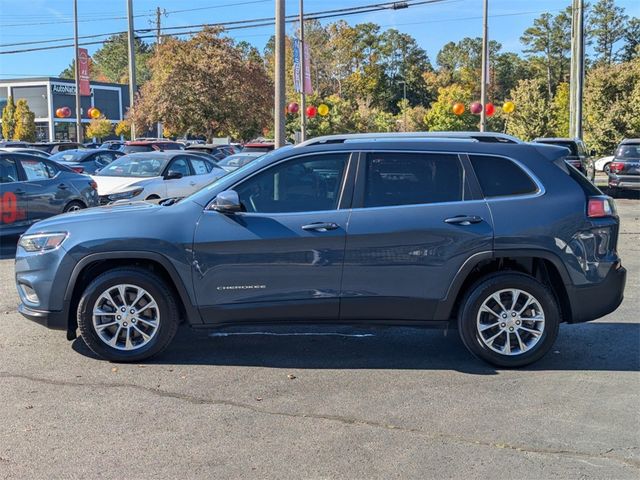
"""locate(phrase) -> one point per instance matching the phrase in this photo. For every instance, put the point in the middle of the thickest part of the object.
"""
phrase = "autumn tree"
(560, 106)
(205, 86)
(8, 119)
(532, 117)
(440, 116)
(631, 48)
(99, 128)
(608, 27)
(25, 122)
(123, 129)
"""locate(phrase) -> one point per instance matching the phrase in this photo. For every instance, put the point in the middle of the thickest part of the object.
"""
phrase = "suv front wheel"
(509, 319)
(127, 315)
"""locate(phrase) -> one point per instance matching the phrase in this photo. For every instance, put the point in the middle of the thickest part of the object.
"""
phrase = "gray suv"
(502, 238)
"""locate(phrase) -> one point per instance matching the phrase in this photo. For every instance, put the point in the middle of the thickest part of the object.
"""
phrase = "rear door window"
(412, 179)
(501, 177)
(37, 170)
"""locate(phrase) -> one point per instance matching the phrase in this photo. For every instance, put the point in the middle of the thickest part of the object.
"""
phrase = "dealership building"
(45, 95)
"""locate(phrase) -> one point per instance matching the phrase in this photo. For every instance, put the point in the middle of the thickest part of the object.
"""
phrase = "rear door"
(14, 218)
(416, 220)
(46, 190)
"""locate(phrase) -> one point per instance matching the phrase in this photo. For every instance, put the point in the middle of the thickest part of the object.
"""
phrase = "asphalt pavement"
(325, 403)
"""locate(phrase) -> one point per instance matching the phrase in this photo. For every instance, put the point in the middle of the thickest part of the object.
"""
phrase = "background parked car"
(155, 175)
(55, 147)
(13, 143)
(262, 147)
(234, 162)
(112, 144)
(624, 170)
(29, 151)
(602, 164)
(87, 160)
(135, 146)
(579, 158)
(218, 151)
(33, 188)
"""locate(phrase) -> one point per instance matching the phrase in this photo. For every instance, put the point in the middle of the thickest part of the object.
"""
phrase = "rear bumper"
(624, 181)
(53, 320)
(592, 302)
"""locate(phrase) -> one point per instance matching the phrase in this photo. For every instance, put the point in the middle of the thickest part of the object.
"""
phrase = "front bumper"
(592, 302)
(53, 320)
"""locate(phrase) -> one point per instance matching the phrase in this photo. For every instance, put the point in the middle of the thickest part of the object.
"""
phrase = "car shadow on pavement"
(587, 347)
(8, 248)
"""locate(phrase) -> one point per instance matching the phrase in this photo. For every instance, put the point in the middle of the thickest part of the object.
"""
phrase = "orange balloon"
(458, 108)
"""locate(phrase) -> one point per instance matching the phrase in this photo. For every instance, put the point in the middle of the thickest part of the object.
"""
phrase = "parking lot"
(324, 403)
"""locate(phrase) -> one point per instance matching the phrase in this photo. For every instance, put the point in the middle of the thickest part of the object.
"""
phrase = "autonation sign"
(63, 89)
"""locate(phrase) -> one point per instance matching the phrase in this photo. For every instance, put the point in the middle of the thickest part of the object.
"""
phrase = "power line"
(231, 25)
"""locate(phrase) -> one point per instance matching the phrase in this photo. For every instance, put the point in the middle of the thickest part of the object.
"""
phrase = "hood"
(108, 185)
(96, 214)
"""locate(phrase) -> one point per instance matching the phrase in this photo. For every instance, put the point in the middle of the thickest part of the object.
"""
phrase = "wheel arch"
(544, 266)
(93, 265)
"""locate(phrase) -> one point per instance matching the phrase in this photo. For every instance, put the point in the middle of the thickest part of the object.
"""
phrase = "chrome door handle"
(320, 226)
(463, 220)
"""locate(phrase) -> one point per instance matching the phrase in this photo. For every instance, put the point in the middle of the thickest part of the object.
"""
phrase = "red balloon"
(476, 108)
(293, 107)
(66, 112)
(489, 109)
(312, 111)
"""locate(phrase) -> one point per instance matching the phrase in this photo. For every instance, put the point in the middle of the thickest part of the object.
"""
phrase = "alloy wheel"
(126, 317)
(510, 322)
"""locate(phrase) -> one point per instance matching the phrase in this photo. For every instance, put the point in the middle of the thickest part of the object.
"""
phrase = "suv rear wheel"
(127, 315)
(509, 320)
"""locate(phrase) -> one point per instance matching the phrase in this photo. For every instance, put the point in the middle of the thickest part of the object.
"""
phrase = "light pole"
(132, 64)
(404, 105)
(77, 72)
(279, 75)
(303, 77)
(485, 66)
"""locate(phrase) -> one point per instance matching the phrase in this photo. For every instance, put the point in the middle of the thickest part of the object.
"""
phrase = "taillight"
(616, 167)
(599, 207)
(78, 169)
(93, 185)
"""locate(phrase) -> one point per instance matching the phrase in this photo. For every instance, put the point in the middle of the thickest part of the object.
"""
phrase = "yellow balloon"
(95, 113)
(508, 107)
(323, 109)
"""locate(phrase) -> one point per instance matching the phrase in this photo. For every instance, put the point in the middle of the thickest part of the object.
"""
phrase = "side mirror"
(227, 202)
(172, 175)
(592, 153)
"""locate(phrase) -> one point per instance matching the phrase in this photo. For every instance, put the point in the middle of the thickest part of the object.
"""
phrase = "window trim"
(469, 192)
(540, 187)
(345, 197)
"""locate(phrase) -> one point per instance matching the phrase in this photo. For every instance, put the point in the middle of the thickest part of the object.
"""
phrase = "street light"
(404, 105)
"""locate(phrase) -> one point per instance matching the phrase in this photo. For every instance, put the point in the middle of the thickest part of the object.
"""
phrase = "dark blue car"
(86, 160)
(501, 238)
(33, 188)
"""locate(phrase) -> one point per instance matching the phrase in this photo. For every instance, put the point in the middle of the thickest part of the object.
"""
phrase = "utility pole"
(132, 64)
(577, 69)
(485, 66)
(279, 75)
(303, 76)
(79, 131)
(159, 13)
(404, 108)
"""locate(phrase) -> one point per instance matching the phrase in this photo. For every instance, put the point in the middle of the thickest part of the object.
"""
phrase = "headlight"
(42, 242)
(125, 195)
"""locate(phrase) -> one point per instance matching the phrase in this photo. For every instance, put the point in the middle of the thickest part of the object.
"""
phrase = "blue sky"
(432, 25)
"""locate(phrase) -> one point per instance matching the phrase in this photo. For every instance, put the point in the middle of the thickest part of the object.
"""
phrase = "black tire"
(138, 277)
(606, 168)
(73, 206)
(482, 290)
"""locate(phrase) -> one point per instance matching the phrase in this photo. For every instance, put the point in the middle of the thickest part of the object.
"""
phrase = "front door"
(414, 223)
(184, 186)
(282, 257)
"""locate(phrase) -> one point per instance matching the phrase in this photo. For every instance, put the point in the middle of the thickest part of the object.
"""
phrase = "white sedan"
(155, 175)
(602, 164)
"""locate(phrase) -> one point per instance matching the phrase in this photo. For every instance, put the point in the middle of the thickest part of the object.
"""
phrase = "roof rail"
(489, 137)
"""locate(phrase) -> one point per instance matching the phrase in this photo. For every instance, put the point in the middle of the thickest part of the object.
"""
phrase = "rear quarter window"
(501, 177)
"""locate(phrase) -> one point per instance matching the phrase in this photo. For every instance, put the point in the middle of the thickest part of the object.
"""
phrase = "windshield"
(134, 166)
(68, 156)
(629, 150)
(237, 160)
